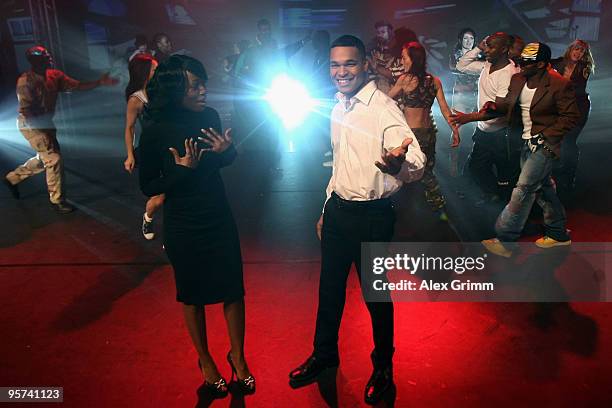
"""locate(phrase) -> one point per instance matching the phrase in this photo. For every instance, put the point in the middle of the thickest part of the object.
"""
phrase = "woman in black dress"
(183, 148)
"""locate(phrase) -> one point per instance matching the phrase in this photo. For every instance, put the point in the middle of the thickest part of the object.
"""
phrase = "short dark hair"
(504, 37)
(514, 38)
(263, 22)
(140, 39)
(350, 41)
(383, 23)
(157, 38)
(169, 84)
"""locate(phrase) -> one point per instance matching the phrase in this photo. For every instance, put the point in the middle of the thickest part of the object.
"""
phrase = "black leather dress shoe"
(12, 188)
(308, 372)
(63, 207)
(380, 381)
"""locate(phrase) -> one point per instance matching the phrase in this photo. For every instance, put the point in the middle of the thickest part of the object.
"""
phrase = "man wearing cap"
(541, 105)
(37, 91)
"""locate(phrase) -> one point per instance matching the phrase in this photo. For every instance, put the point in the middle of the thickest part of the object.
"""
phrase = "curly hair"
(587, 58)
(169, 83)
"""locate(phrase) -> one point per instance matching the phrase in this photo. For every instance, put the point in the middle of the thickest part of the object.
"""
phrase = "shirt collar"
(364, 96)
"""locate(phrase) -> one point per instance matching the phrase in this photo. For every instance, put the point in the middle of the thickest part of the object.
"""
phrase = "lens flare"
(290, 100)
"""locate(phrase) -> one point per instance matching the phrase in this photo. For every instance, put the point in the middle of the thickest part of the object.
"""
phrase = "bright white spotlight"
(290, 100)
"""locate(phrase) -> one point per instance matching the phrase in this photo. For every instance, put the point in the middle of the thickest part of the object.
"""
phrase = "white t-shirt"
(491, 86)
(525, 100)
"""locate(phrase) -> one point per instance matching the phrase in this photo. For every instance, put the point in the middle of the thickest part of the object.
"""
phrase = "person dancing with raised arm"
(37, 92)
(416, 90)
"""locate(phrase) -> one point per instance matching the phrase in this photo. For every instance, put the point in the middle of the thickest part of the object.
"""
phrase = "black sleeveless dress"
(200, 235)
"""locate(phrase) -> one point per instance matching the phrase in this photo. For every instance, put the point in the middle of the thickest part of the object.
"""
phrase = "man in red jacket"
(37, 91)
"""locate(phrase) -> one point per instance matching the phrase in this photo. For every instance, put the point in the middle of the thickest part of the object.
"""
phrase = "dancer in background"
(141, 68)
(541, 107)
(141, 46)
(394, 67)
(37, 92)
(465, 91)
(162, 46)
(200, 235)
(493, 162)
(379, 53)
(516, 48)
(416, 90)
(577, 65)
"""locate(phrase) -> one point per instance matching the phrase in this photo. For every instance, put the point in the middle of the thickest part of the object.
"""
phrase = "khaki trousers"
(48, 158)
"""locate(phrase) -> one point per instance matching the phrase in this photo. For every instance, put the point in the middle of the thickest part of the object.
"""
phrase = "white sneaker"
(328, 153)
(328, 163)
(147, 228)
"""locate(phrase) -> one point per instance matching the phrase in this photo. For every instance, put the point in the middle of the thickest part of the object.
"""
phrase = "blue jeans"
(534, 183)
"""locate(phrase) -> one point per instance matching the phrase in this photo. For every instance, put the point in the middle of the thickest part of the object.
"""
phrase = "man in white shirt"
(491, 145)
(374, 153)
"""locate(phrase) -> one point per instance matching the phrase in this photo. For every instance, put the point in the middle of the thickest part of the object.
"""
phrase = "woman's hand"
(217, 143)
(129, 163)
(192, 156)
(455, 138)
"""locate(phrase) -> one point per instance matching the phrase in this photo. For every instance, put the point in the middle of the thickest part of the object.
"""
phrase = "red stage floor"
(88, 305)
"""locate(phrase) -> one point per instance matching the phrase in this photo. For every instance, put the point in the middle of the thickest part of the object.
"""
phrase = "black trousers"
(346, 224)
(494, 162)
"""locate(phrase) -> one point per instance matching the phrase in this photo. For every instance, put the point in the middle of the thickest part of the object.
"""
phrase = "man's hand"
(392, 160)
(217, 143)
(488, 106)
(192, 156)
(107, 80)
(483, 43)
(458, 118)
(320, 226)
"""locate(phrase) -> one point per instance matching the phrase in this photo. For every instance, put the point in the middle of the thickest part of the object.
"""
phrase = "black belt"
(380, 204)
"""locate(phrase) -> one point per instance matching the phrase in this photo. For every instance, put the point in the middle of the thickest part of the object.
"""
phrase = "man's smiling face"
(348, 69)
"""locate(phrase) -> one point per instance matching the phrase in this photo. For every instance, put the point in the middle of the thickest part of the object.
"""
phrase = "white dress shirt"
(362, 127)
